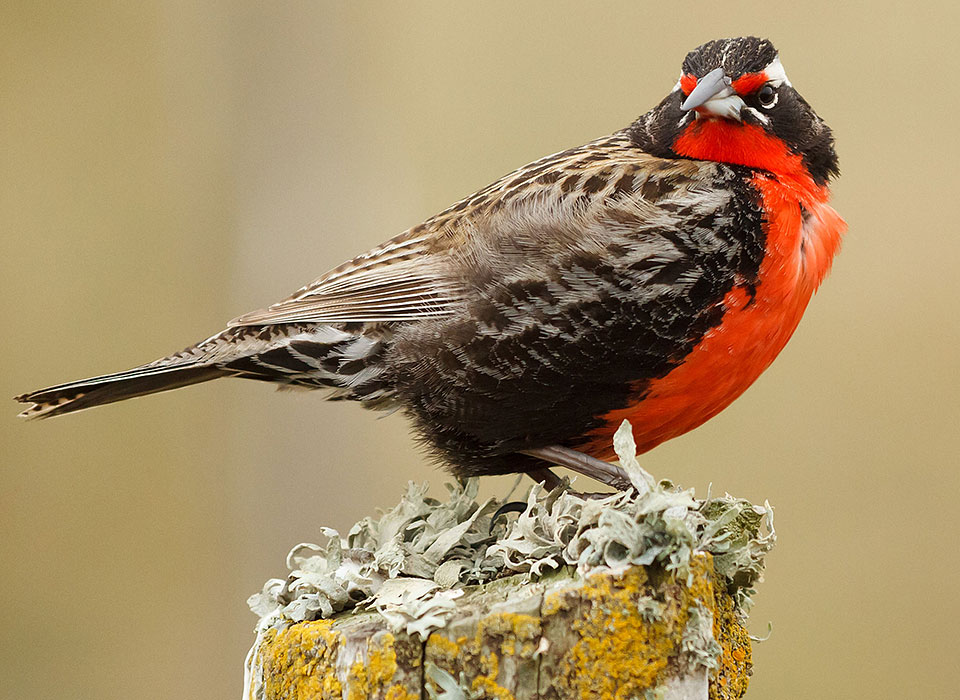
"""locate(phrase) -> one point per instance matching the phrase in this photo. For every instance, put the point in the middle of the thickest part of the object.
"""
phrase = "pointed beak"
(714, 95)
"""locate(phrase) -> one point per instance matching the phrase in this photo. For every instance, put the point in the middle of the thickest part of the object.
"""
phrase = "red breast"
(803, 234)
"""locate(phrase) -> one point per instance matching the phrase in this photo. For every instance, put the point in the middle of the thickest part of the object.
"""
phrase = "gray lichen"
(449, 687)
(414, 560)
(699, 646)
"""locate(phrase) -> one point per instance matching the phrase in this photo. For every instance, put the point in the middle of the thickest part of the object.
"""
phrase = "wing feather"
(420, 274)
(381, 286)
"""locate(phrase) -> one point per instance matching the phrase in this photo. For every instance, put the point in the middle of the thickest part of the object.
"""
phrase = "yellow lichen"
(616, 654)
(559, 601)
(486, 683)
(301, 661)
(373, 673)
(298, 662)
(496, 636)
(515, 631)
(602, 645)
(398, 692)
(700, 582)
(442, 651)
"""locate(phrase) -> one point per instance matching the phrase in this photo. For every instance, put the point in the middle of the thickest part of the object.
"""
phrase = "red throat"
(740, 144)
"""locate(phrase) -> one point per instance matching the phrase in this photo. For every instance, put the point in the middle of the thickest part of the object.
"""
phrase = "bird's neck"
(725, 141)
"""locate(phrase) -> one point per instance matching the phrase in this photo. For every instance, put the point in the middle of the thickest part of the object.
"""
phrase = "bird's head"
(734, 104)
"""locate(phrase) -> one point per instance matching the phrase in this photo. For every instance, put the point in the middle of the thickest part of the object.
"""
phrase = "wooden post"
(640, 594)
(634, 633)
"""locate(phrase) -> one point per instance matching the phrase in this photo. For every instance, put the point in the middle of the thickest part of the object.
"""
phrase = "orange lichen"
(736, 658)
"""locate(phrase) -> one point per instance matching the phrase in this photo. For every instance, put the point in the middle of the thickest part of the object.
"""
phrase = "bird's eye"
(767, 96)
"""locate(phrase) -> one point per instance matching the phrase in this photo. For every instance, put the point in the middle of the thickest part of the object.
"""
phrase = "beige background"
(165, 166)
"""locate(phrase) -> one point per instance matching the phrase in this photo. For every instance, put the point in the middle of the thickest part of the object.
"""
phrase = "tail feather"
(299, 355)
(97, 391)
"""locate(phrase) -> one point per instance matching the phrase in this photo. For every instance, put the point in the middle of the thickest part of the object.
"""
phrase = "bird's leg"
(604, 472)
(546, 477)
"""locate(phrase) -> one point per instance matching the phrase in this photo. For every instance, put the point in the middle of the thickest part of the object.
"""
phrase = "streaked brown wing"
(400, 280)
(550, 203)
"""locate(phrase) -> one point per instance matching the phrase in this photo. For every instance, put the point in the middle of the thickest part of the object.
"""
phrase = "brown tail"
(87, 393)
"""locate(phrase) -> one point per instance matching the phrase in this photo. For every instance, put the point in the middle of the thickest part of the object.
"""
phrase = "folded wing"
(401, 280)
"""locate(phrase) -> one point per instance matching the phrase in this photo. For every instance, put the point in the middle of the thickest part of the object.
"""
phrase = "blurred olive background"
(167, 165)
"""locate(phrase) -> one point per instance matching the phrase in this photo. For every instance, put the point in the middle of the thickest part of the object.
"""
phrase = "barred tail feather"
(97, 391)
(310, 356)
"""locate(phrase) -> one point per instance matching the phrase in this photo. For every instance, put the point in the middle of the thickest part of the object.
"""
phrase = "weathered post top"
(641, 594)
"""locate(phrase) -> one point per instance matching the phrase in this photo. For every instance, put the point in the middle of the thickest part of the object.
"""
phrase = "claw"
(512, 507)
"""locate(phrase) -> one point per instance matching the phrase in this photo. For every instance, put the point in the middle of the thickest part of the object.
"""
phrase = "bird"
(650, 275)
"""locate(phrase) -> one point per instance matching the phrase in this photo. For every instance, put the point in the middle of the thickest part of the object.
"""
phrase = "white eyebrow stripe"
(775, 72)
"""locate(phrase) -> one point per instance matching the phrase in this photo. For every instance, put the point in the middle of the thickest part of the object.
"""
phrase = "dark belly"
(479, 393)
